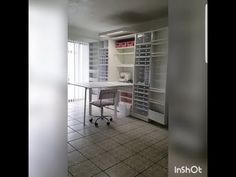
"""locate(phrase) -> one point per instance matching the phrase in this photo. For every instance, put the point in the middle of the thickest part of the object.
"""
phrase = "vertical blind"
(78, 68)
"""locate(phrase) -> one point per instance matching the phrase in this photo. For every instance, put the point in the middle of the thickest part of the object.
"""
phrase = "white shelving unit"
(93, 61)
(146, 60)
(141, 72)
(121, 59)
(158, 73)
(103, 60)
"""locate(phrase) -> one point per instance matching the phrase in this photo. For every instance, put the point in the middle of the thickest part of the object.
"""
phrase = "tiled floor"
(128, 147)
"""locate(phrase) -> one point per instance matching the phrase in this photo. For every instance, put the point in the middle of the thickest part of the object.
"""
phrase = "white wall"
(47, 88)
(79, 34)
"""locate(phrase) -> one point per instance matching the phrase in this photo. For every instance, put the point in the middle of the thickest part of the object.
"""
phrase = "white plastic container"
(124, 108)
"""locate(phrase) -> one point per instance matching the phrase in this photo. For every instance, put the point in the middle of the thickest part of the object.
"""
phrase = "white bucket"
(124, 108)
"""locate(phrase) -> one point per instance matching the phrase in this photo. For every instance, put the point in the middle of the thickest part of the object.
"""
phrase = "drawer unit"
(140, 102)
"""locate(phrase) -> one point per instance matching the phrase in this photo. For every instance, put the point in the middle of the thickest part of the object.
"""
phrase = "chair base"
(101, 117)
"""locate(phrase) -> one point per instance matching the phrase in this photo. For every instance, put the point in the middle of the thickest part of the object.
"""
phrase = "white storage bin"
(124, 108)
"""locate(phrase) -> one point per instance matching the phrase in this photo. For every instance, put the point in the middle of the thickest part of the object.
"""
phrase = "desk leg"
(115, 110)
(85, 98)
(90, 99)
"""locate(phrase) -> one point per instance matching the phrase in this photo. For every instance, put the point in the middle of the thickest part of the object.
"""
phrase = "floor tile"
(88, 131)
(70, 148)
(127, 147)
(110, 132)
(91, 151)
(69, 175)
(141, 175)
(108, 144)
(98, 137)
(105, 160)
(121, 152)
(121, 170)
(72, 122)
(153, 154)
(138, 163)
(163, 162)
(121, 138)
(155, 170)
(75, 157)
(69, 130)
(84, 169)
(102, 174)
(147, 140)
(79, 126)
(80, 143)
(135, 146)
(73, 136)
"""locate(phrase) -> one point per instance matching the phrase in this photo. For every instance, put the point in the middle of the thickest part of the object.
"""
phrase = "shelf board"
(161, 29)
(124, 37)
(143, 56)
(126, 97)
(93, 71)
(120, 48)
(141, 85)
(104, 48)
(141, 109)
(159, 41)
(140, 92)
(125, 66)
(144, 43)
(142, 65)
(146, 106)
(125, 53)
(156, 102)
(159, 53)
(125, 91)
(151, 89)
(140, 100)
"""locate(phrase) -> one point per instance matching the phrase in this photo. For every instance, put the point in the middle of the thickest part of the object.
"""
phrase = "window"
(78, 68)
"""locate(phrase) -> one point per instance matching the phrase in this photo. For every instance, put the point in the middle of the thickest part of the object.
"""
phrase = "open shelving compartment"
(124, 55)
(93, 61)
(93, 64)
(158, 76)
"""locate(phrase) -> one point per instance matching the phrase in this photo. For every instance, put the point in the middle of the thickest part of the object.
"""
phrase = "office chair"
(106, 98)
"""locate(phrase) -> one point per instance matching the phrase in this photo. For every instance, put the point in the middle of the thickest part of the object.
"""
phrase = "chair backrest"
(107, 94)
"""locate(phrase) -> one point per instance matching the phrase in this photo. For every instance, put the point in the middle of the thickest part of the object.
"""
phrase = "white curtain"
(78, 68)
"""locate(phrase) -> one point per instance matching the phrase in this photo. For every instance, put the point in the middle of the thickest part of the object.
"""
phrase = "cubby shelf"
(125, 65)
(125, 53)
(123, 48)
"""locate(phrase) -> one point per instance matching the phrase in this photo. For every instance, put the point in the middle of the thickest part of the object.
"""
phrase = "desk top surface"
(101, 84)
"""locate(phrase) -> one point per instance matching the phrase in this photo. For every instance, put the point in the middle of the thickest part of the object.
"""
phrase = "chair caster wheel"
(90, 120)
(96, 124)
(108, 123)
(110, 119)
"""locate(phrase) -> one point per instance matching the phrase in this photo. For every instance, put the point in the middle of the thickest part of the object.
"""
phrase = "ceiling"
(105, 15)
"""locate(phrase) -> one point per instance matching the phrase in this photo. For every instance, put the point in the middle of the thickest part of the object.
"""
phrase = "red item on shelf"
(123, 44)
(118, 44)
(130, 43)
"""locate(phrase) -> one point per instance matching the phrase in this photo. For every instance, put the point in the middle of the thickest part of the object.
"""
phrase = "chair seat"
(102, 103)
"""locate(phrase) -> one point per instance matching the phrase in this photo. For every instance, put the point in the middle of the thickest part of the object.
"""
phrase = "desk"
(91, 85)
